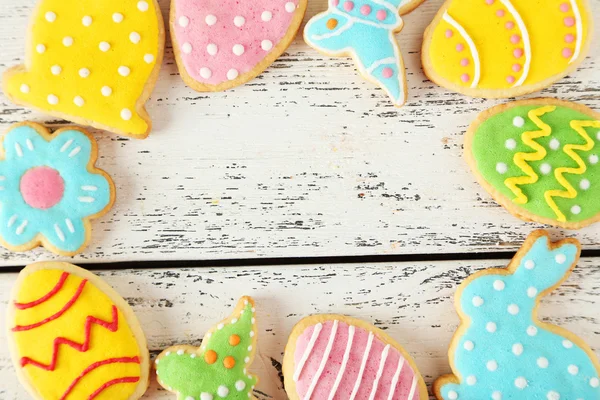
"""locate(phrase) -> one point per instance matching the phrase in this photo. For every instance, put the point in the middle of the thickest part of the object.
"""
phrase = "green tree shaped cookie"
(218, 368)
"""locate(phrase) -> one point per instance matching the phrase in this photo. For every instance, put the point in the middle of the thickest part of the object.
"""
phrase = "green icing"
(489, 148)
(191, 377)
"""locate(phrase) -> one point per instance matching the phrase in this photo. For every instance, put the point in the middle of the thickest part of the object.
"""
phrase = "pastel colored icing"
(218, 43)
(365, 30)
(334, 360)
(91, 62)
(72, 340)
(49, 188)
(541, 158)
(218, 369)
(502, 351)
(510, 44)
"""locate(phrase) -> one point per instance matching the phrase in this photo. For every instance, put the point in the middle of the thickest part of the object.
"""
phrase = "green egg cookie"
(539, 159)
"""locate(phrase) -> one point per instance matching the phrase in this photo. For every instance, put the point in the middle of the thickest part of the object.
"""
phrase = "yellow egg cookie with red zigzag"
(505, 48)
(72, 337)
(92, 62)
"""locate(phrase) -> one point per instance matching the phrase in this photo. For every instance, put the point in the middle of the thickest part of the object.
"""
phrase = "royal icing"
(498, 45)
(72, 340)
(219, 368)
(365, 30)
(522, 358)
(50, 189)
(81, 52)
(536, 157)
(218, 45)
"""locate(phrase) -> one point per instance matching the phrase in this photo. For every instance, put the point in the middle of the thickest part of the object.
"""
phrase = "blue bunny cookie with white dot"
(501, 350)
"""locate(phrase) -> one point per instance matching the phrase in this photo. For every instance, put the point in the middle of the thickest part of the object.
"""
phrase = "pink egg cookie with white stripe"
(221, 44)
(334, 357)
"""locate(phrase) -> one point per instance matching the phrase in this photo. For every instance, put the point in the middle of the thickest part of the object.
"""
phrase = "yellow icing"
(37, 343)
(570, 192)
(97, 109)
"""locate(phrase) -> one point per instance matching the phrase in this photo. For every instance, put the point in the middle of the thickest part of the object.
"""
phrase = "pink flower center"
(42, 187)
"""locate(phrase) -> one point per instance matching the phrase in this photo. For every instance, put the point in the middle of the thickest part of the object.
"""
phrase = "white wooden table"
(306, 161)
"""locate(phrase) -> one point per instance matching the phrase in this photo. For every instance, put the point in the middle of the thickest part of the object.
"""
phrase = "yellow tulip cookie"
(505, 48)
(93, 63)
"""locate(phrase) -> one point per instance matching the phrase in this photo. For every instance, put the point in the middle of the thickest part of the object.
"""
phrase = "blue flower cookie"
(502, 351)
(50, 189)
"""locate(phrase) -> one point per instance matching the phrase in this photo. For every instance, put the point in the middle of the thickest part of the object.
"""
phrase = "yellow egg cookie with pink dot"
(93, 63)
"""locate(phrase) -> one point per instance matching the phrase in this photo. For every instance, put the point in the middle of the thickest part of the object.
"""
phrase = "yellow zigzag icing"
(570, 192)
(521, 158)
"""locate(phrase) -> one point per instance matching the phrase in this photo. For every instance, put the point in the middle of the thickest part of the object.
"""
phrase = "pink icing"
(334, 361)
(387, 72)
(225, 35)
(510, 79)
(465, 78)
(489, 2)
(500, 13)
(514, 39)
(460, 47)
(564, 7)
(449, 33)
(518, 53)
(335, 2)
(365, 10)
(349, 6)
(569, 38)
(381, 15)
(569, 21)
(567, 52)
(42, 187)
(516, 67)
(509, 25)
(464, 62)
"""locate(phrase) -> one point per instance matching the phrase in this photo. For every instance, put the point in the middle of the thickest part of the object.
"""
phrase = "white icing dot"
(238, 49)
(232, 74)
(78, 100)
(193, 355)
(513, 309)
(554, 144)
(542, 362)
(25, 88)
(67, 41)
(180, 352)
(492, 365)
(205, 73)
(517, 349)
(266, 16)
(510, 144)
(496, 396)
(532, 330)
(471, 380)
(220, 326)
(189, 398)
(126, 114)
(594, 382)
(567, 344)
(477, 301)
(560, 258)
(186, 48)
(251, 333)
(266, 45)
(148, 58)
(529, 264)
(50, 16)
(452, 395)
(210, 20)
(135, 37)
(499, 285)
(233, 321)
(240, 385)
(469, 346)
(222, 391)
(104, 46)
(290, 7)
(168, 353)
(184, 21)
(40, 48)
(545, 168)
(593, 159)
(552, 395)
(117, 17)
(157, 361)
(249, 348)
(84, 72)
(239, 21)
(501, 168)
(521, 383)
(212, 49)
(253, 320)
(532, 292)
(56, 69)
(143, 6)
(124, 71)
(52, 99)
(491, 327)
(247, 360)
(584, 184)
(86, 21)
(576, 209)
(106, 91)
(518, 122)
(206, 396)
(573, 369)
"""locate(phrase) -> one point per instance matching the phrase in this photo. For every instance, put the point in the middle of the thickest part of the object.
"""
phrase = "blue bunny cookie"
(364, 29)
(501, 350)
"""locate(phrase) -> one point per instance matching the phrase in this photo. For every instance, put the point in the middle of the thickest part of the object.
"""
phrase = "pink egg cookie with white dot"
(219, 44)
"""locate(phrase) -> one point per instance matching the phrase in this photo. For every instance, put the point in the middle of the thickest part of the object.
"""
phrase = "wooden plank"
(411, 301)
(306, 160)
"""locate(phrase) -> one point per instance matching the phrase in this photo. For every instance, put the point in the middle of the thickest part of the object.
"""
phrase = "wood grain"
(411, 301)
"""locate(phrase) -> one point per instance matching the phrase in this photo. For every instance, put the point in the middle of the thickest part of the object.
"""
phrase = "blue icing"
(369, 39)
(519, 352)
(71, 162)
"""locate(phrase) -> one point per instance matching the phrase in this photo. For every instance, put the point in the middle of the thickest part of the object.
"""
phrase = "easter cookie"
(337, 357)
(50, 189)
(218, 368)
(364, 29)
(539, 159)
(218, 47)
(72, 337)
(93, 62)
(505, 48)
(501, 350)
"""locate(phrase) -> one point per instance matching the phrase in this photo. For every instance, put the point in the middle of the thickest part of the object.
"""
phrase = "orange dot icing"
(229, 362)
(332, 23)
(210, 357)
(234, 340)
